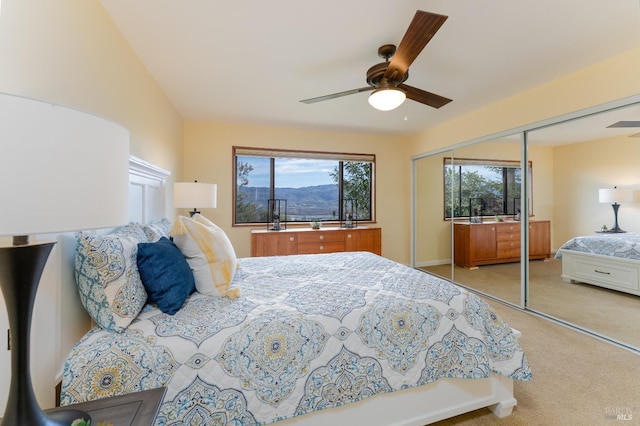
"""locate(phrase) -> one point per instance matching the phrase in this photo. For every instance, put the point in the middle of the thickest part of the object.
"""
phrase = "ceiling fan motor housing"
(376, 72)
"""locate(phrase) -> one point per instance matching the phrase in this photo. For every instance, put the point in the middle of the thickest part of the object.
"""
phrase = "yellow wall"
(579, 171)
(208, 158)
(69, 52)
(606, 81)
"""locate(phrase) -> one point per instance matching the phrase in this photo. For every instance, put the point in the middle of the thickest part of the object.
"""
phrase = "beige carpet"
(610, 313)
(578, 380)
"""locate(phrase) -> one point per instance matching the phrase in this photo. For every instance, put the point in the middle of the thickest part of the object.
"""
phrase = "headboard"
(147, 187)
(147, 192)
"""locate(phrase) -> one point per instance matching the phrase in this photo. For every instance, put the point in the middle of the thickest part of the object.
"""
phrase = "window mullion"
(340, 187)
(272, 178)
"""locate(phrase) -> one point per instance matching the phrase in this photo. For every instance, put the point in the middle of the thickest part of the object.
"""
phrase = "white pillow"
(209, 253)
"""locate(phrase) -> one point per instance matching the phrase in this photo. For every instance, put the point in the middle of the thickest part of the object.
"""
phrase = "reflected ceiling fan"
(387, 78)
(626, 124)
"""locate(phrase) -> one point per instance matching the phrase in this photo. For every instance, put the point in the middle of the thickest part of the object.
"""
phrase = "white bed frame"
(419, 406)
(603, 271)
(410, 407)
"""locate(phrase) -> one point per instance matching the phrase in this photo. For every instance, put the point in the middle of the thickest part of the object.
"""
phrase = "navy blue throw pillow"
(165, 274)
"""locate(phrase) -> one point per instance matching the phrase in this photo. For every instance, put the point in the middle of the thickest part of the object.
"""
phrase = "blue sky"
(291, 172)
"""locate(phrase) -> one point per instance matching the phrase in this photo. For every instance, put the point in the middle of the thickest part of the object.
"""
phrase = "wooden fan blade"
(337, 95)
(422, 28)
(424, 97)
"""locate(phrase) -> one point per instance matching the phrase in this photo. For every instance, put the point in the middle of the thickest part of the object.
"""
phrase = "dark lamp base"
(21, 267)
(615, 231)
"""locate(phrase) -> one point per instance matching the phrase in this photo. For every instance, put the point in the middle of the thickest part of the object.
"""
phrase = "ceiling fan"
(387, 78)
(632, 123)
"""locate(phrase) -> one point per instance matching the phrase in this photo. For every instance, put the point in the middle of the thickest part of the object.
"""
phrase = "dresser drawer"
(315, 237)
(509, 245)
(321, 247)
(507, 232)
(508, 228)
(508, 248)
(508, 236)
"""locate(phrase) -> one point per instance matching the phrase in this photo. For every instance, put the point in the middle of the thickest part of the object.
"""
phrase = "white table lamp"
(60, 170)
(194, 195)
(615, 196)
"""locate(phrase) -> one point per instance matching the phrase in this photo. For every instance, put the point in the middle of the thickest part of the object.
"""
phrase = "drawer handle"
(321, 237)
(348, 235)
(290, 238)
(602, 272)
(321, 247)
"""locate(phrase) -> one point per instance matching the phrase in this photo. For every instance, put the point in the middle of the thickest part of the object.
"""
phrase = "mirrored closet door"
(433, 234)
(466, 226)
(592, 290)
(486, 197)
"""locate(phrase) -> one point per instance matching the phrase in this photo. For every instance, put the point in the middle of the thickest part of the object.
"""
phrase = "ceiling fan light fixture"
(387, 98)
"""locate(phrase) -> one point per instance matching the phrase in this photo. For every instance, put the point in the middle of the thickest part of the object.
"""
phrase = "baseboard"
(433, 263)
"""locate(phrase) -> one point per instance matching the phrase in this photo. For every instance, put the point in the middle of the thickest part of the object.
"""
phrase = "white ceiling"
(253, 61)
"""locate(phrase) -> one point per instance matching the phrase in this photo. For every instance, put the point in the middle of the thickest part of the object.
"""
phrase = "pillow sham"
(154, 231)
(209, 253)
(107, 277)
(165, 274)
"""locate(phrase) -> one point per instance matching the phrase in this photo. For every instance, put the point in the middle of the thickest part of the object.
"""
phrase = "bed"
(338, 338)
(609, 260)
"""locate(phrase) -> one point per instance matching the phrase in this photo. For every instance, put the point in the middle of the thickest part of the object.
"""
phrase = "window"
(482, 187)
(312, 183)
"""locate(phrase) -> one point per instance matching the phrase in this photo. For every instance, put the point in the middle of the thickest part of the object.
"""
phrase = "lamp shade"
(387, 98)
(615, 195)
(194, 195)
(60, 169)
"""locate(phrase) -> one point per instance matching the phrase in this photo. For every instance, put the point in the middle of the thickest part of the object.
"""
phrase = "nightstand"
(138, 408)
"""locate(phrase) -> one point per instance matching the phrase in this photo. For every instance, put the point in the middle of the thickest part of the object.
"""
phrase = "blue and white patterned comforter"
(308, 332)
(624, 245)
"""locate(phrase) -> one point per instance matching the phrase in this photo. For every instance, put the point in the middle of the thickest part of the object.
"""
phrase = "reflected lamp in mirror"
(615, 196)
(194, 195)
(61, 170)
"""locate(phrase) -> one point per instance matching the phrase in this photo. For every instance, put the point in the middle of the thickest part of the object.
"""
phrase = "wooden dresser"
(498, 242)
(311, 241)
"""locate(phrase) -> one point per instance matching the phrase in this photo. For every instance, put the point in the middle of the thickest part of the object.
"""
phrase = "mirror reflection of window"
(482, 187)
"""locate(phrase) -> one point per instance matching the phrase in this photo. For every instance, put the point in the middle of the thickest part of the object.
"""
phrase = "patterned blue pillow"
(166, 275)
(107, 276)
(156, 230)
